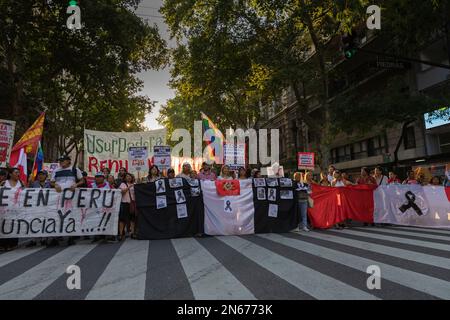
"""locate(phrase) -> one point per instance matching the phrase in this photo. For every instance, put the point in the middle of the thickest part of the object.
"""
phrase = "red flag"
(335, 204)
(22, 165)
(228, 187)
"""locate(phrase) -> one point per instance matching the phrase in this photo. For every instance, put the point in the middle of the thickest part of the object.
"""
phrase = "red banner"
(336, 204)
(228, 187)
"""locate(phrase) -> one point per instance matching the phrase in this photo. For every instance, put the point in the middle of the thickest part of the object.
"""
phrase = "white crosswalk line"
(420, 243)
(30, 283)
(208, 278)
(421, 230)
(17, 254)
(414, 280)
(378, 248)
(124, 277)
(401, 233)
(306, 279)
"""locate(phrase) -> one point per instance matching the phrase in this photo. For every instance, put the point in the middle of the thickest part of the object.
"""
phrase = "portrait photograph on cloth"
(259, 182)
(272, 194)
(160, 186)
(179, 196)
(272, 182)
(176, 183)
(261, 193)
(193, 182)
(286, 194)
(285, 182)
(273, 210)
(182, 211)
(161, 202)
(195, 191)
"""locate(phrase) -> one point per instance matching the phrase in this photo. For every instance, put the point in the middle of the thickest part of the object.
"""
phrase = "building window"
(444, 142)
(409, 138)
(359, 150)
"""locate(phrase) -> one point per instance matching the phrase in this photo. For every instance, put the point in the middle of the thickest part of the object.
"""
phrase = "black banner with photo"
(169, 208)
(275, 203)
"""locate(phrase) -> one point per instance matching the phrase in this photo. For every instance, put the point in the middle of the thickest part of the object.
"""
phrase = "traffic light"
(349, 46)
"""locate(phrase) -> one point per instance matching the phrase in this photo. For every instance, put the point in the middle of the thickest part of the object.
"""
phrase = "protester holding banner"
(186, 171)
(99, 182)
(226, 174)
(120, 176)
(66, 176)
(111, 181)
(411, 178)
(330, 175)
(153, 174)
(171, 173)
(338, 181)
(127, 206)
(242, 173)
(42, 181)
(324, 180)
(193, 175)
(206, 173)
(393, 179)
(303, 189)
(436, 181)
(380, 178)
(365, 177)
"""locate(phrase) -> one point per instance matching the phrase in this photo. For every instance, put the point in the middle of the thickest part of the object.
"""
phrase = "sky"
(155, 82)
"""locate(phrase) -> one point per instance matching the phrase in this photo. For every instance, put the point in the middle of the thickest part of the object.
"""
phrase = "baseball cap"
(43, 172)
(64, 157)
(99, 174)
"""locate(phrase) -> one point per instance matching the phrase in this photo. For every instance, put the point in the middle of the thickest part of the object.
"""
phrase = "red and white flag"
(22, 165)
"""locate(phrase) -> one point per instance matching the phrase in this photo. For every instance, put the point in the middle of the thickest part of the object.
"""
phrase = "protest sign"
(6, 140)
(161, 157)
(138, 159)
(47, 213)
(50, 167)
(305, 160)
(110, 149)
(234, 155)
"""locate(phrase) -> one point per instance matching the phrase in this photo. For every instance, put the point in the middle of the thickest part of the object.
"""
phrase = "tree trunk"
(400, 140)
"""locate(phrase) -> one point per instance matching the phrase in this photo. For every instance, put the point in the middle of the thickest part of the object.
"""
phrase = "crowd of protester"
(68, 176)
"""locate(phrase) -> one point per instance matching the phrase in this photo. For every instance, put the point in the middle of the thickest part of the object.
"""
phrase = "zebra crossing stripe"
(11, 256)
(421, 230)
(406, 233)
(420, 282)
(30, 283)
(306, 279)
(208, 278)
(420, 243)
(124, 277)
(390, 251)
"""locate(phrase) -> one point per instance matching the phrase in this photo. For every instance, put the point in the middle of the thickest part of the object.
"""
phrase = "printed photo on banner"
(195, 192)
(182, 211)
(285, 182)
(286, 194)
(193, 182)
(259, 182)
(227, 207)
(161, 202)
(176, 183)
(272, 182)
(160, 186)
(273, 210)
(261, 193)
(179, 196)
(272, 194)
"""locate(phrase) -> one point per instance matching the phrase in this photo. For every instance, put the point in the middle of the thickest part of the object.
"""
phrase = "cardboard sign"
(138, 158)
(161, 157)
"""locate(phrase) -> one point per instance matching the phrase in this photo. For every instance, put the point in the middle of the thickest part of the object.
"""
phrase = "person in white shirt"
(330, 176)
(380, 178)
(225, 173)
(66, 176)
(186, 171)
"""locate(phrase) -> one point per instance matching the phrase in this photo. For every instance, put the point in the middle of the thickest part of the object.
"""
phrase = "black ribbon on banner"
(228, 206)
(410, 203)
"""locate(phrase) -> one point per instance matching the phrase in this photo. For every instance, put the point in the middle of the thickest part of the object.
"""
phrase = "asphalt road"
(414, 264)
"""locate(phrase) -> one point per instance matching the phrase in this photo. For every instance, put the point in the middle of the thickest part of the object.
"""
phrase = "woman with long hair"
(324, 179)
(226, 173)
(242, 173)
(153, 174)
(127, 206)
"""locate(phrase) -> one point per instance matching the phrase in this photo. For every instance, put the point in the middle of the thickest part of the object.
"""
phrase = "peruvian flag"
(409, 205)
(22, 165)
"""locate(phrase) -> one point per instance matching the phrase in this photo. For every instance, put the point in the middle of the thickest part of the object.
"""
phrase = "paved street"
(331, 264)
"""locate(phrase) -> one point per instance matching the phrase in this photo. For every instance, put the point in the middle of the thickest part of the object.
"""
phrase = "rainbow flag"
(207, 124)
(38, 161)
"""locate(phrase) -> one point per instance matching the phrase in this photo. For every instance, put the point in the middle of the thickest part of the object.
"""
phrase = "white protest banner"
(161, 157)
(305, 160)
(138, 159)
(26, 213)
(110, 149)
(6, 140)
(234, 155)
